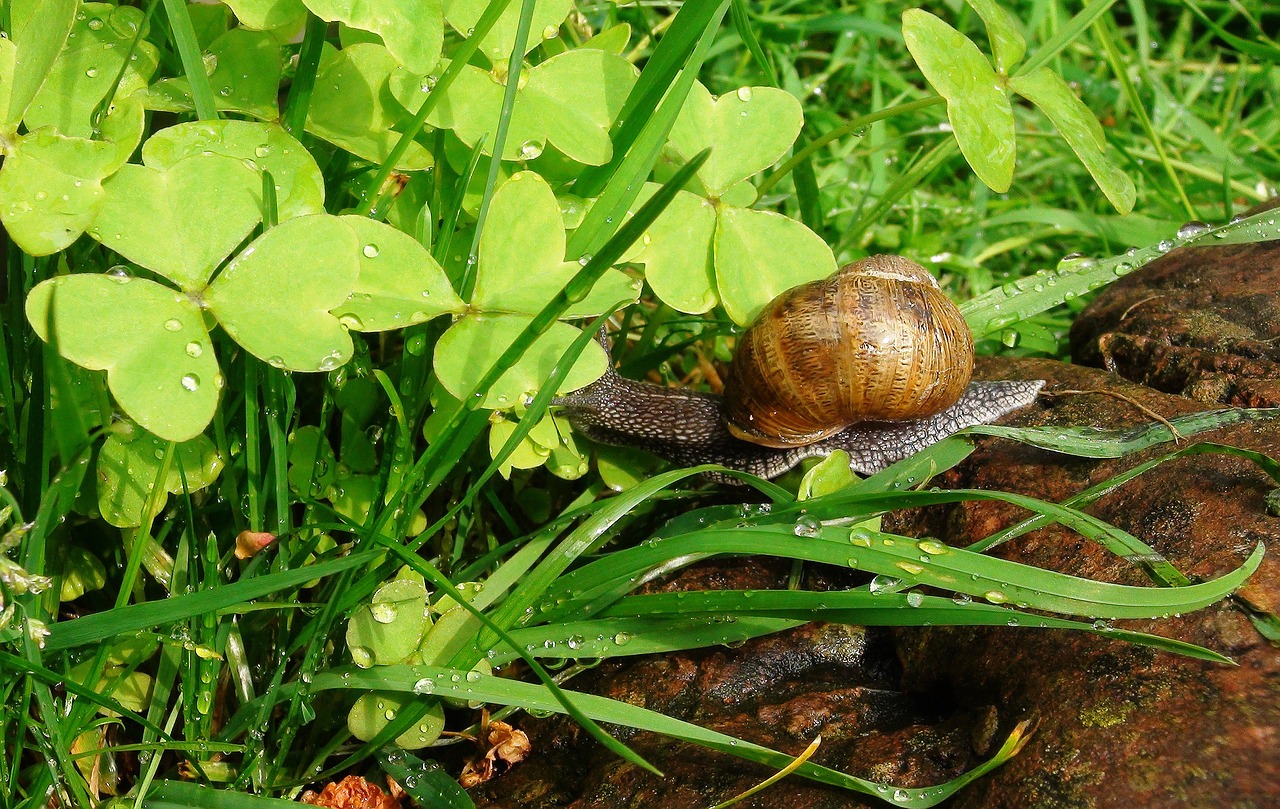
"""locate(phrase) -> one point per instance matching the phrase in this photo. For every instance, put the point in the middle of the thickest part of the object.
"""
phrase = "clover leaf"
(977, 103)
(301, 335)
(501, 39)
(28, 53)
(266, 15)
(570, 100)
(85, 71)
(246, 69)
(521, 268)
(51, 188)
(747, 131)
(357, 112)
(160, 218)
(129, 463)
(299, 185)
(412, 30)
(399, 285)
(705, 250)
(150, 340)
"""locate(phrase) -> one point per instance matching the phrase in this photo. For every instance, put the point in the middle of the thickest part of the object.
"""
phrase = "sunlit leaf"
(150, 340)
(412, 30)
(760, 254)
(27, 55)
(129, 464)
(977, 103)
(274, 298)
(245, 78)
(501, 39)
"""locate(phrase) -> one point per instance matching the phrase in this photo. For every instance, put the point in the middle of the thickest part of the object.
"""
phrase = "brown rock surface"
(1116, 725)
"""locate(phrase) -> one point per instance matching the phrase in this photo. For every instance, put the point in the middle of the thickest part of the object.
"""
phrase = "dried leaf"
(353, 792)
(507, 747)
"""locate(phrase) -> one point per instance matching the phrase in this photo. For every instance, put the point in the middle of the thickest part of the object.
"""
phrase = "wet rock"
(1203, 322)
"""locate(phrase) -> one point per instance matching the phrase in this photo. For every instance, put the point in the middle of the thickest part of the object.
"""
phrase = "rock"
(1115, 725)
(1203, 322)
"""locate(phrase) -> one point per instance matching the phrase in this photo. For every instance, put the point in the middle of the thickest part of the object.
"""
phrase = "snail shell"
(877, 341)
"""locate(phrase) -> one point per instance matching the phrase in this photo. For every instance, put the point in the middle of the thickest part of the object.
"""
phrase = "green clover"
(521, 268)
(979, 107)
(710, 249)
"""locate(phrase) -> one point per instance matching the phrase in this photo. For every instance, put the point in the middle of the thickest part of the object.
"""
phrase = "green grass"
(180, 659)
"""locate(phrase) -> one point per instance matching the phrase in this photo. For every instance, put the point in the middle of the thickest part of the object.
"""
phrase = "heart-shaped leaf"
(86, 69)
(375, 710)
(760, 254)
(354, 109)
(473, 344)
(299, 183)
(676, 252)
(570, 100)
(388, 629)
(274, 298)
(181, 221)
(129, 463)
(747, 130)
(1007, 43)
(27, 55)
(501, 39)
(1083, 133)
(413, 30)
(977, 103)
(265, 15)
(149, 339)
(400, 283)
(51, 189)
(522, 264)
(245, 77)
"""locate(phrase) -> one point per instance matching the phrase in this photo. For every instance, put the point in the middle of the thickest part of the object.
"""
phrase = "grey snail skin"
(875, 361)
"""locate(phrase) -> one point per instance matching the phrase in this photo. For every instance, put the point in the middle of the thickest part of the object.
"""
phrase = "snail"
(874, 360)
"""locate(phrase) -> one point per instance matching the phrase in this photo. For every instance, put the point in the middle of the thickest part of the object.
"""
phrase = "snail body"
(874, 360)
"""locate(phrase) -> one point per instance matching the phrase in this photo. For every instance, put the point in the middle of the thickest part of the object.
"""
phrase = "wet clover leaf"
(247, 66)
(279, 314)
(265, 15)
(709, 249)
(357, 111)
(86, 69)
(160, 218)
(388, 629)
(747, 131)
(51, 189)
(977, 103)
(399, 285)
(521, 268)
(1083, 133)
(299, 183)
(412, 30)
(150, 340)
(27, 55)
(570, 100)
(129, 464)
(375, 710)
(463, 15)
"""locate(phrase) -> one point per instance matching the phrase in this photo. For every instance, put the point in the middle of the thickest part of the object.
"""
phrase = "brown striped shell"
(877, 341)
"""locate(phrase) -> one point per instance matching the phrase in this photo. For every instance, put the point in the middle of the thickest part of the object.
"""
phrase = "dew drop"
(194, 349)
(370, 251)
(995, 597)
(426, 685)
(95, 24)
(884, 584)
(744, 94)
(383, 612)
(91, 72)
(473, 676)
(1192, 229)
(806, 527)
(173, 324)
(550, 31)
(915, 598)
(190, 382)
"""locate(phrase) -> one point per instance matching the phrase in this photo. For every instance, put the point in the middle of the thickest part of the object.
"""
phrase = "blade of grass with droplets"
(304, 78)
(186, 795)
(183, 36)
(927, 562)
(531, 696)
(662, 622)
(99, 626)
(1093, 442)
(1003, 306)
